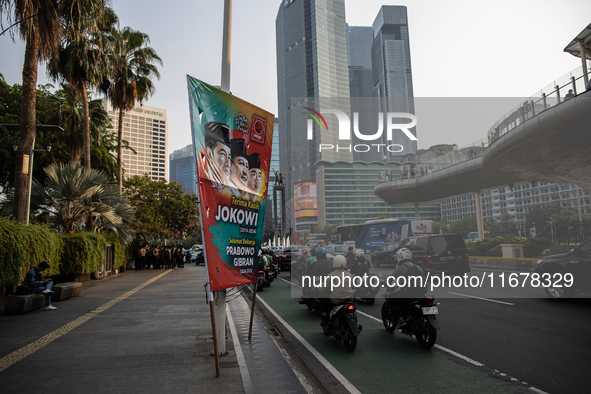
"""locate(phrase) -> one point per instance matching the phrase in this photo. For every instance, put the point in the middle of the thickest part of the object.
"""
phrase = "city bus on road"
(372, 234)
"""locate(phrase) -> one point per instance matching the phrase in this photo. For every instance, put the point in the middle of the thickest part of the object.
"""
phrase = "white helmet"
(403, 255)
(339, 262)
(359, 253)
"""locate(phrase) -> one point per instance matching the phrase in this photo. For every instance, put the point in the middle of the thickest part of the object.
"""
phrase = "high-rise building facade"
(517, 201)
(311, 63)
(146, 130)
(392, 71)
(183, 169)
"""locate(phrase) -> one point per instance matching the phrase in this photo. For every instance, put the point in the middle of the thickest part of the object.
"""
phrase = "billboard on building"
(305, 199)
(232, 140)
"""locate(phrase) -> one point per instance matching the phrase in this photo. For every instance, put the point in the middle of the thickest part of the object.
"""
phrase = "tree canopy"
(163, 210)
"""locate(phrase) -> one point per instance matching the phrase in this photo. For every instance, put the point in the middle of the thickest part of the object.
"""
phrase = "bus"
(473, 236)
(372, 234)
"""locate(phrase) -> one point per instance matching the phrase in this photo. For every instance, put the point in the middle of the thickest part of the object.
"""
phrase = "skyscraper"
(311, 63)
(146, 130)
(392, 72)
(183, 169)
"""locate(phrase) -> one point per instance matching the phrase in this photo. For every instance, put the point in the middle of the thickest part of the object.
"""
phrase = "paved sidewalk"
(123, 335)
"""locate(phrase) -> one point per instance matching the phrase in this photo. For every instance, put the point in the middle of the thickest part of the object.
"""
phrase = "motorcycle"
(261, 280)
(342, 324)
(310, 299)
(368, 293)
(419, 316)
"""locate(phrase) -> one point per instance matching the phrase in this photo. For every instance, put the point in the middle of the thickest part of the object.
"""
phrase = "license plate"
(430, 310)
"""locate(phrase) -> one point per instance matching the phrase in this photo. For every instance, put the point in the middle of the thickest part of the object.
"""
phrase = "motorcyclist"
(301, 265)
(322, 266)
(401, 295)
(330, 297)
(350, 256)
(358, 266)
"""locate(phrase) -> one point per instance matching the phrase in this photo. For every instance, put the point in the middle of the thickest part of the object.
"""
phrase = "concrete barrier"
(503, 263)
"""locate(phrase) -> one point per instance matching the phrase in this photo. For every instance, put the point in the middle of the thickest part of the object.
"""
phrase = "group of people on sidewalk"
(157, 257)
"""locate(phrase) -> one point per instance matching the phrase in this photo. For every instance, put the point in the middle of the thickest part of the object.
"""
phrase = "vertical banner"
(232, 141)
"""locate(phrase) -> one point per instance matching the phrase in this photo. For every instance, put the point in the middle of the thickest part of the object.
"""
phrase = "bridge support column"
(584, 60)
(417, 212)
(479, 223)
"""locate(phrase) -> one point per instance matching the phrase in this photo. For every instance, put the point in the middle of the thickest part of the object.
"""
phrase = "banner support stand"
(215, 339)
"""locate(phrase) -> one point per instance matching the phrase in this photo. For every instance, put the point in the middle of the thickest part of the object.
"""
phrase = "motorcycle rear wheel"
(260, 286)
(350, 341)
(427, 337)
(387, 318)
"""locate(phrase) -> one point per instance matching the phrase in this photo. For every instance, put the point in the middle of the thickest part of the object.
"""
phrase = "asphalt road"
(537, 341)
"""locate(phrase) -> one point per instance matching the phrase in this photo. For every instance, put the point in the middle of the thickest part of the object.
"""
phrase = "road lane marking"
(40, 343)
(535, 390)
(465, 358)
(348, 385)
(481, 298)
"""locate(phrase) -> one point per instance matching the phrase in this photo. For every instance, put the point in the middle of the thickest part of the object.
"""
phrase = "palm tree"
(131, 65)
(81, 60)
(74, 196)
(38, 23)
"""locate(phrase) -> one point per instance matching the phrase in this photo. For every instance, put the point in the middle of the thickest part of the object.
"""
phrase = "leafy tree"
(131, 71)
(440, 227)
(162, 210)
(59, 108)
(505, 225)
(81, 59)
(38, 24)
(467, 225)
(74, 198)
(540, 216)
(569, 215)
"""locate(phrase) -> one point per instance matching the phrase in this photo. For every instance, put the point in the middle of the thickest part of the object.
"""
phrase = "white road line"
(535, 390)
(480, 298)
(468, 359)
(246, 379)
(348, 385)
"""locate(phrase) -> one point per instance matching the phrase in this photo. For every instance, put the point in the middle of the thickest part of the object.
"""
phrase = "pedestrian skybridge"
(547, 138)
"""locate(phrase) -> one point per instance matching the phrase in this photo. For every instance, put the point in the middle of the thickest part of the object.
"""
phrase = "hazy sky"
(459, 48)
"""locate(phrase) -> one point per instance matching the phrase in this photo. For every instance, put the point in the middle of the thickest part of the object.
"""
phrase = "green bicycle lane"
(383, 361)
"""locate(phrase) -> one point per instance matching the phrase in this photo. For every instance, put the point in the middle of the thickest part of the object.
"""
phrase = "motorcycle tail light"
(429, 259)
(351, 307)
(284, 256)
(260, 272)
(428, 302)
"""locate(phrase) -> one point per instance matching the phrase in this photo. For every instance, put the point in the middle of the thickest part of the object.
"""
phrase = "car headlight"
(540, 261)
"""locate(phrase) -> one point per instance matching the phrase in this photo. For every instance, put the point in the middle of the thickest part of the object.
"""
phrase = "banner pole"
(254, 296)
(215, 337)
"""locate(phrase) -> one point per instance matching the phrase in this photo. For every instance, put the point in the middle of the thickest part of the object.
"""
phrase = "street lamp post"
(30, 177)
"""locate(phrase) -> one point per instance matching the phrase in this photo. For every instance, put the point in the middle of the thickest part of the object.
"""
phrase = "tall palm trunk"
(86, 127)
(27, 127)
(120, 152)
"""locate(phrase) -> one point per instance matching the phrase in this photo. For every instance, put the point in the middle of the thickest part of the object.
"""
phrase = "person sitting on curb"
(40, 285)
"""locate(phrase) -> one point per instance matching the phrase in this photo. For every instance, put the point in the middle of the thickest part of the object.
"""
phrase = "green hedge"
(25, 246)
(532, 247)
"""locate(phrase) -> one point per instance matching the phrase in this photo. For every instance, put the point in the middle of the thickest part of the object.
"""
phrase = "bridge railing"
(562, 89)
(566, 233)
